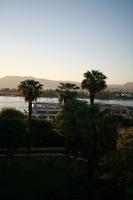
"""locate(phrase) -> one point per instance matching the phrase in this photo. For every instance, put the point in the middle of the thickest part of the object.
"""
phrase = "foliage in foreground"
(118, 165)
(12, 128)
(48, 178)
(51, 178)
(87, 131)
(44, 135)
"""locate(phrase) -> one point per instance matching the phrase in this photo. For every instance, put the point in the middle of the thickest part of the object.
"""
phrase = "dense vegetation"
(97, 163)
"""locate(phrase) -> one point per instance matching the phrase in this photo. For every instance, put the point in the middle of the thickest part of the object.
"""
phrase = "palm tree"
(94, 82)
(66, 92)
(30, 90)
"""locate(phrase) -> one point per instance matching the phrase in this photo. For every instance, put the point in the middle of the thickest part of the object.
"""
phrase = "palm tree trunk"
(75, 163)
(91, 178)
(29, 126)
(8, 163)
(92, 168)
(67, 149)
(92, 97)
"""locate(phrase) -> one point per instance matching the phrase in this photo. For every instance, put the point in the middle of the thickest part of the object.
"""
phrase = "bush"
(44, 135)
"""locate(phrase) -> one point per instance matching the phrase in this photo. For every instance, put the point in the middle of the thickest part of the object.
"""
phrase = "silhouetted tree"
(71, 122)
(12, 130)
(66, 92)
(94, 82)
(89, 131)
(30, 90)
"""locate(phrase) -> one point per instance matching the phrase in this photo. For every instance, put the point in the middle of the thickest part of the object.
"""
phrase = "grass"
(47, 178)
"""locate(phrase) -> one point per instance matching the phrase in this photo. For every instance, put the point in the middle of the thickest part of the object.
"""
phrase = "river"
(20, 104)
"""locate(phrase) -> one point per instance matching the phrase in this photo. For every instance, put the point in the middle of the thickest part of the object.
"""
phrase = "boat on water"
(45, 110)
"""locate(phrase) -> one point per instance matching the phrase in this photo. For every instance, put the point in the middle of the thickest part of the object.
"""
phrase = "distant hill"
(124, 87)
(128, 86)
(13, 82)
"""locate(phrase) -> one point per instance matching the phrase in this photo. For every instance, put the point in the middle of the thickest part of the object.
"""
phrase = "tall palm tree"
(98, 140)
(94, 82)
(66, 91)
(30, 90)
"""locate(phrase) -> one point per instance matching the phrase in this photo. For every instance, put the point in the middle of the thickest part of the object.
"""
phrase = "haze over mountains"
(13, 82)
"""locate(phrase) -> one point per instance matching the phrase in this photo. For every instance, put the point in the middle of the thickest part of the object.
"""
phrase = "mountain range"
(13, 82)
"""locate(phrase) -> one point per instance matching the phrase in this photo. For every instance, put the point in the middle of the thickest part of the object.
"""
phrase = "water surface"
(20, 104)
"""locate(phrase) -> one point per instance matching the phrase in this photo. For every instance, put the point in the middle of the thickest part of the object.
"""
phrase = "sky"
(62, 39)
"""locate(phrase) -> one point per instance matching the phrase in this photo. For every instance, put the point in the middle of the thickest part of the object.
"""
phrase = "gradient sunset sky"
(62, 39)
